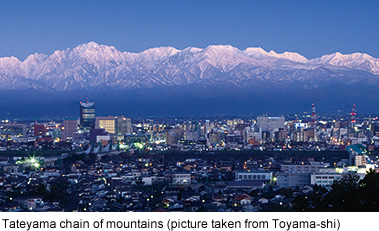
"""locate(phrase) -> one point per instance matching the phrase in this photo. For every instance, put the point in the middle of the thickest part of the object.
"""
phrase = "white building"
(303, 168)
(260, 175)
(179, 178)
(327, 179)
(270, 124)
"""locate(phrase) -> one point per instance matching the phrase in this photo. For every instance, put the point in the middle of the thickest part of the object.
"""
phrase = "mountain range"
(218, 79)
(94, 66)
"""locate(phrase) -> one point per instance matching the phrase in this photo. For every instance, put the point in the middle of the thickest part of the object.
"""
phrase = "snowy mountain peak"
(193, 49)
(359, 61)
(258, 52)
(11, 59)
(221, 49)
(255, 52)
(156, 54)
(160, 51)
(337, 57)
(93, 47)
(290, 56)
(92, 65)
(9, 66)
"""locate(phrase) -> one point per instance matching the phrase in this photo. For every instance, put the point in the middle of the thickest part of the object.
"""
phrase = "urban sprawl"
(114, 163)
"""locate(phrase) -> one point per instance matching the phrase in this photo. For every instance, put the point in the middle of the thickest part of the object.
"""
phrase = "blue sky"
(312, 28)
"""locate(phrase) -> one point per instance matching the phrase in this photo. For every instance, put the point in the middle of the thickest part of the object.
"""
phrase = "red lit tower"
(314, 117)
(352, 116)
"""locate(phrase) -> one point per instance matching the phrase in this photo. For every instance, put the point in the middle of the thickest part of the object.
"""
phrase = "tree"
(59, 190)
(344, 194)
(369, 189)
(41, 190)
(317, 198)
(300, 203)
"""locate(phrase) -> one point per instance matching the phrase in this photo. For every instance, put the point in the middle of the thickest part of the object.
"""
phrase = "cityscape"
(115, 163)
(189, 106)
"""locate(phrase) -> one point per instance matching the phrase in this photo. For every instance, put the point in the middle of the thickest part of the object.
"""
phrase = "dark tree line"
(349, 194)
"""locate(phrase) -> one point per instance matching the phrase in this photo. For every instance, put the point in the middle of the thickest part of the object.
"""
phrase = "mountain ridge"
(92, 65)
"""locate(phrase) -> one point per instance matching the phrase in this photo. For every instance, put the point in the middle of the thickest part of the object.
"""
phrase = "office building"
(325, 179)
(293, 180)
(70, 126)
(108, 123)
(12, 130)
(178, 178)
(96, 134)
(39, 130)
(207, 127)
(87, 114)
(269, 125)
(303, 168)
(135, 138)
(173, 136)
(124, 126)
(259, 175)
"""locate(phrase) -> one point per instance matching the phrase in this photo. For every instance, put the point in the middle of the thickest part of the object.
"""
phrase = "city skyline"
(114, 163)
(188, 106)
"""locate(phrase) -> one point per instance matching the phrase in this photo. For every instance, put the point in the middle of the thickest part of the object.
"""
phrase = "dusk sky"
(311, 28)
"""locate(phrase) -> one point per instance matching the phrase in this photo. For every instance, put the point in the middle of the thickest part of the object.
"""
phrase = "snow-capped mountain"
(94, 66)
(357, 61)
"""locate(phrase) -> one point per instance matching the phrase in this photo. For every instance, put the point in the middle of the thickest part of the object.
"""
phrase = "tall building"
(70, 126)
(87, 114)
(207, 127)
(39, 130)
(173, 136)
(114, 125)
(214, 138)
(108, 123)
(124, 126)
(270, 125)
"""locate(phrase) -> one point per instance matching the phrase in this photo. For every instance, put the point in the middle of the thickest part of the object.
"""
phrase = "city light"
(139, 145)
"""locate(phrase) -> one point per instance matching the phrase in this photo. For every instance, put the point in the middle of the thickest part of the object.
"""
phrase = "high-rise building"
(214, 138)
(207, 127)
(39, 130)
(114, 125)
(270, 125)
(108, 123)
(87, 114)
(124, 126)
(70, 126)
(173, 136)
